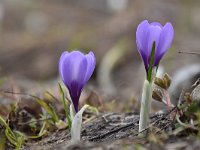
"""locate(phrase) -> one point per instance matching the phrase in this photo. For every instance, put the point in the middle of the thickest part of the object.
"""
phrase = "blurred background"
(34, 33)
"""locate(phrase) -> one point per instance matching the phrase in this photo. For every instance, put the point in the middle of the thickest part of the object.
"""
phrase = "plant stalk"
(145, 106)
(76, 125)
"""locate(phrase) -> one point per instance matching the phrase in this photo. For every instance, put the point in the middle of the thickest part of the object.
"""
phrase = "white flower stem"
(145, 106)
(76, 125)
(72, 111)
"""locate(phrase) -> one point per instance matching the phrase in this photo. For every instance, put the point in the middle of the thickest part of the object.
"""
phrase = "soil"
(118, 131)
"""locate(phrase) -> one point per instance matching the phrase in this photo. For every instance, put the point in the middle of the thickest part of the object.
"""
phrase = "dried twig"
(193, 53)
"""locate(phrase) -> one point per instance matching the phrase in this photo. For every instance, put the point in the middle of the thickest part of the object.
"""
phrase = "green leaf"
(5, 125)
(48, 108)
(65, 105)
(41, 133)
(20, 139)
(15, 137)
(2, 140)
(151, 62)
(2, 80)
(93, 109)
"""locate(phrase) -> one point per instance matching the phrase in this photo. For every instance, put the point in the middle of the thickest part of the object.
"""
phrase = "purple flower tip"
(75, 69)
(147, 34)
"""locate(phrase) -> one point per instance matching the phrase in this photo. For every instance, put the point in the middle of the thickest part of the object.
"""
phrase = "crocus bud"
(148, 33)
(75, 70)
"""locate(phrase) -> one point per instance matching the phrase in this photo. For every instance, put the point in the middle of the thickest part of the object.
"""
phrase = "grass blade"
(65, 105)
(48, 108)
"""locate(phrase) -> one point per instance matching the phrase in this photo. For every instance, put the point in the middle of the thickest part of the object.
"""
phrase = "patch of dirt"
(115, 128)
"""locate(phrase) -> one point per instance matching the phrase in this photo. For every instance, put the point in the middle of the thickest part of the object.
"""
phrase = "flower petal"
(141, 40)
(91, 62)
(143, 55)
(73, 68)
(153, 36)
(78, 64)
(62, 71)
(141, 34)
(156, 24)
(165, 40)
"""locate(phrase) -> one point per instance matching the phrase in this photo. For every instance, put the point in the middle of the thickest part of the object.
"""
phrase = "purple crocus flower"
(147, 34)
(75, 70)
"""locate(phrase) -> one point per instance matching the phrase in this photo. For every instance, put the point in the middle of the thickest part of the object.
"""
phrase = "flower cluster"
(152, 39)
